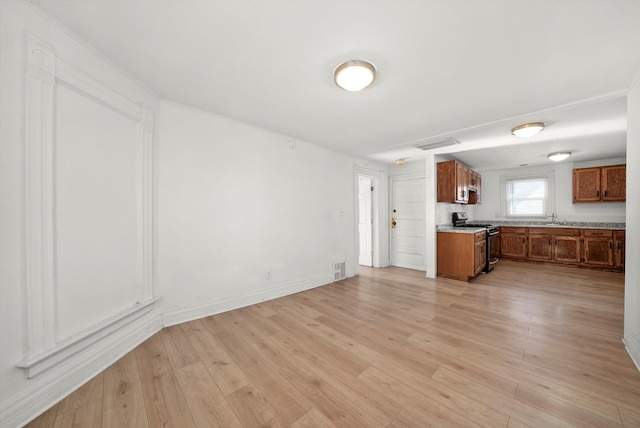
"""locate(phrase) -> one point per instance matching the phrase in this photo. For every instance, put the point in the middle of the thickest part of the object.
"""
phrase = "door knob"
(393, 223)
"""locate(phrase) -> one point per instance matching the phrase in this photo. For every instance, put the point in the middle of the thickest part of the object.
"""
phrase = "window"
(527, 196)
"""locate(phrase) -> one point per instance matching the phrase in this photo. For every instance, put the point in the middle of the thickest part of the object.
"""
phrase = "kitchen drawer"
(509, 229)
(554, 231)
(598, 233)
(480, 236)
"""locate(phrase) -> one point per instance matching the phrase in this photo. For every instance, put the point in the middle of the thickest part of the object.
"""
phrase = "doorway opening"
(367, 216)
(365, 220)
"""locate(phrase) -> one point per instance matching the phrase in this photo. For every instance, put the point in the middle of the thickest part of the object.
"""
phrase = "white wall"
(235, 203)
(610, 212)
(632, 268)
(75, 219)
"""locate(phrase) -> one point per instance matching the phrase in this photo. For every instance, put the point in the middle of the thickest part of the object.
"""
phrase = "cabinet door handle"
(597, 193)
(618, 245)
(605, 193)
(610, 245)
(549, 241)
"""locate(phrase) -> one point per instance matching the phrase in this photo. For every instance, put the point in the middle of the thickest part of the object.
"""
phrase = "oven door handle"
(497, 232)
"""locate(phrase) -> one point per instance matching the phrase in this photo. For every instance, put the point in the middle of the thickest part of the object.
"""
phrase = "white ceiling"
(468, 69)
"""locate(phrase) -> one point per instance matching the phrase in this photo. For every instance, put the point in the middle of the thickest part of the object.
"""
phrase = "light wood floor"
(525, 345)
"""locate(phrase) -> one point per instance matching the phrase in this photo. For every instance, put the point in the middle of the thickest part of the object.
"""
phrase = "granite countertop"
(564, 224)
(450, 229)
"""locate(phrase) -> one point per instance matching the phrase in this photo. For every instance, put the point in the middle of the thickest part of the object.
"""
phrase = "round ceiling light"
(354, 75)
(559, 156)
(527, 129)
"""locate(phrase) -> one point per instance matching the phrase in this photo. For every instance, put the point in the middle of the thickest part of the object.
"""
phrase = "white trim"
(193, 313)
(68, 376)
(39, 196)
(145, 208)
(633, 349)
(92, 49)
(376, 180)
(43, 72)
(431, 204)
(78, 80)
(75, 344)
(549, 175)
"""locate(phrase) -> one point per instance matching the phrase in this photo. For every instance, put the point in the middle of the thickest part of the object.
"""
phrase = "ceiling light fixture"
(400, 161)
(354, 75)
(527, 129)
(559, 156)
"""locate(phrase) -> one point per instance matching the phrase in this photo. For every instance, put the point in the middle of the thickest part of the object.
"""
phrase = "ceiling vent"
(437, 144)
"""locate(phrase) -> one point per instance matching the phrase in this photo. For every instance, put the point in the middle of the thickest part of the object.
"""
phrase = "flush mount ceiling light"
(559, 156)
(354, 75)
(527, 129)
(400, 161)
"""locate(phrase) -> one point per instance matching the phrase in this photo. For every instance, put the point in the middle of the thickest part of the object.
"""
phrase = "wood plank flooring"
(525, 345)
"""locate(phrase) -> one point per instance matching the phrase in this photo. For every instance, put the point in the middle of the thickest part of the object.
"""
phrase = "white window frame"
(550, 202)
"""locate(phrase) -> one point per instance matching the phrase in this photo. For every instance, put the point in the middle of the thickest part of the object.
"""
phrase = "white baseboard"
(193, 313)
(61, 380)
(58, 381)
(633, 349)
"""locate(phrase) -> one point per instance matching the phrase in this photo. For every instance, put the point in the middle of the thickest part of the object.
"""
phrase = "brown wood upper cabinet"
(457, 183)
(600, 184)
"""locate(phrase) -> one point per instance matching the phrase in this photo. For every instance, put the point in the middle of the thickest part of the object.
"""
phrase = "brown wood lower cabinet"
(584, 247)
(618, 247)
(461, 255)
(514, 242)
(553, 244)
(567, 248)
(598, 247)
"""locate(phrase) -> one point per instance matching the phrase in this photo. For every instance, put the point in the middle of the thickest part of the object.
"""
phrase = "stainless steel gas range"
(460, 219)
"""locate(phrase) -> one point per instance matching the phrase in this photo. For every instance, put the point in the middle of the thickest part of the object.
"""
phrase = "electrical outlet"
(267, 275)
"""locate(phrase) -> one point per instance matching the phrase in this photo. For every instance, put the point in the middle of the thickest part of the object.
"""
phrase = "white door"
(365, 225)
(408, 223)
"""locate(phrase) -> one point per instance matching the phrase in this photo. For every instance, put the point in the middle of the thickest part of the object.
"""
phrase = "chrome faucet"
(554, 216)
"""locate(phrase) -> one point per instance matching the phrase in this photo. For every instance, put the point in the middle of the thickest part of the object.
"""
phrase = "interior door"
(365, 224)
(408, 212)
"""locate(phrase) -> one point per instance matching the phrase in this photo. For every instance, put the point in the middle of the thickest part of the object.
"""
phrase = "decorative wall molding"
(146, 204)
(39, 240)
(43, 72)
(64, 378)
(73, 345)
